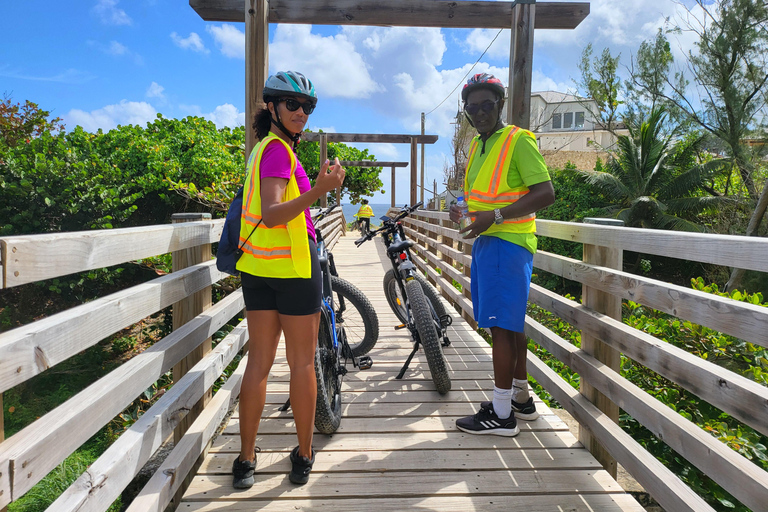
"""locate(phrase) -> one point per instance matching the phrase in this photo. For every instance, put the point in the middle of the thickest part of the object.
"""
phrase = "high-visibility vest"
(491, 190)
(281, 251)
(364, 211)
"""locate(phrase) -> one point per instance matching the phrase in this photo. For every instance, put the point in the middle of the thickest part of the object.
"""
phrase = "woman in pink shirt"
(275, 305)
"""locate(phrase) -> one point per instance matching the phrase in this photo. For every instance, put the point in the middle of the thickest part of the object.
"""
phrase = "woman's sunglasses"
(292, 105)
(474, 108)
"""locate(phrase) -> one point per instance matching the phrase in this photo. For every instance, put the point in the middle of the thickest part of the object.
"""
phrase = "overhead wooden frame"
(374, 163)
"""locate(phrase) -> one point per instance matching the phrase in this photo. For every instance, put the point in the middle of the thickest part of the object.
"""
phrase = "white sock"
(502, 402)
(520, 391)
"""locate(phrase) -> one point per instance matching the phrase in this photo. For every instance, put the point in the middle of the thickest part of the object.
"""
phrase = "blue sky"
(100, 63)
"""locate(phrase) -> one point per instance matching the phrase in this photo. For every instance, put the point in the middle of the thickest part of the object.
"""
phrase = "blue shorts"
(501, 279)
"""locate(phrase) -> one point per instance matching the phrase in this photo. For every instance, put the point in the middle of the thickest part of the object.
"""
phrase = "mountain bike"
(414, 301)
(349, 328)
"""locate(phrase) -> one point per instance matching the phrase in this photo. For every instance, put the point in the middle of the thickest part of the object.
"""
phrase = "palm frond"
(692, 179)
(665, 221)
(609, 185)
(696, 205)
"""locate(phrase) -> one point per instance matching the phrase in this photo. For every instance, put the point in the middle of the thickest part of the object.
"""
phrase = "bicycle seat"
(399, 247)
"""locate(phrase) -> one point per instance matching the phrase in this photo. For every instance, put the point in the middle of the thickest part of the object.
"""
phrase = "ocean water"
(378, 210)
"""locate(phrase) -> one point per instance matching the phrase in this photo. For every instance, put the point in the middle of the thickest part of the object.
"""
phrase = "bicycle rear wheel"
(328, 406)
(359, 318)
(428, 335)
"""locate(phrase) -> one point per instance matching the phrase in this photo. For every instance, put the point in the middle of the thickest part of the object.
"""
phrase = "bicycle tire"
(392, 293)
(428, 335)
(328, 404)
(360, 321)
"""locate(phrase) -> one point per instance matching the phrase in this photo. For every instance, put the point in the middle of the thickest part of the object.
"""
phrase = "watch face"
(498, 219)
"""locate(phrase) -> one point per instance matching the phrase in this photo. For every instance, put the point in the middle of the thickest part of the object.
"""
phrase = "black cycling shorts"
(293, 296)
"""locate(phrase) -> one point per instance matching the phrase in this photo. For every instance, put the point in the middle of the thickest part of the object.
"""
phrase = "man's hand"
(454, 213)
(483, 220)
(328, 181)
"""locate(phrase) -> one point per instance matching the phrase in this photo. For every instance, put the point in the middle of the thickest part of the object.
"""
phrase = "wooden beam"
(323, 140)
(386, 138)
(398, 13)
(521, 65)
(371, 163)
(256, 63)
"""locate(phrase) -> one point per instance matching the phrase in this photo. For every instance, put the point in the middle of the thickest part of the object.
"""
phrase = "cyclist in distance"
(505, 183)
(364, 215)
(280, 268)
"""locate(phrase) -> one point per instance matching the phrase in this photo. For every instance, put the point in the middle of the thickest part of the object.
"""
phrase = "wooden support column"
(521, 64)
(392, 191)
(422, 159)
(609, 305)
(2, 433)
(256, 63)
(184, 311)
(323, 158)
(414, 174)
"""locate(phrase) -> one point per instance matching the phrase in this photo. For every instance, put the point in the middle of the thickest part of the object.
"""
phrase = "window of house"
(555, 121)
(567, 119)
(579, 120)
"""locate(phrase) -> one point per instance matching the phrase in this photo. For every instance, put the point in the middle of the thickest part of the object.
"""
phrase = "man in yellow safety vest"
(506, 182)
(364, 215)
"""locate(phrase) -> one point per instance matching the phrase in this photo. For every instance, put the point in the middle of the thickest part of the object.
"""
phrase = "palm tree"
(654, 181)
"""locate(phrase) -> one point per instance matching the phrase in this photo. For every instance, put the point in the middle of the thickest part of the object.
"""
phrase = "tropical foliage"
(655, 180)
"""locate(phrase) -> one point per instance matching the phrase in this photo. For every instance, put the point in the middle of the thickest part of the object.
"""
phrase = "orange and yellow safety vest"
(281, 251)
(490, 189)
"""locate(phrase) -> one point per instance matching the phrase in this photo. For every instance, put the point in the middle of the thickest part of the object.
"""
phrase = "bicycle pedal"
(446, 342)
(445, 321)
(365, 363)
(401, 326)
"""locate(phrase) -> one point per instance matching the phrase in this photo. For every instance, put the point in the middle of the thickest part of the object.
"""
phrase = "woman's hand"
(327, 181)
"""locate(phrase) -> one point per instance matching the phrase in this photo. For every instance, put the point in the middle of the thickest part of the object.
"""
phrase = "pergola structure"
(386, 138)
(521, 16)
(373, 163)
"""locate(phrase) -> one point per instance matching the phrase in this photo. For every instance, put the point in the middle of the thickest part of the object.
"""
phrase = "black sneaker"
(243, 471)
(525, 411)
(300, 467)
(486, 422)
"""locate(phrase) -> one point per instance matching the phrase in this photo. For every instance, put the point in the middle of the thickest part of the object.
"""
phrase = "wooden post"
(2, 433)
(521, 64)
(256, 64)
(323, 158)
(184, 311)
(414, 175)
(436, 206)
(609, 305)
(392, 192)
(422, 158)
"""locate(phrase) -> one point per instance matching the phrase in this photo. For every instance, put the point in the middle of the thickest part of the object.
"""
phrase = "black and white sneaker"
(486, 422)
(523, 411)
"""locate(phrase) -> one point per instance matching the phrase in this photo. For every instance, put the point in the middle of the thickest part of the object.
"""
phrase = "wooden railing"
(446, 257)
(30, 454)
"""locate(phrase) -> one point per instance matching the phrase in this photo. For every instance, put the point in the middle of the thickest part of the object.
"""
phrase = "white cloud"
(229, 39)
(192, 42)
(106, 118)
(332, 63)
(110, 14)
(117, 49)
(70, 76)
(226, 115)
(155, 90)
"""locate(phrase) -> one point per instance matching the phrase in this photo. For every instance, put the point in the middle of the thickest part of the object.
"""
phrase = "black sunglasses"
(292, 105)
(474, 108)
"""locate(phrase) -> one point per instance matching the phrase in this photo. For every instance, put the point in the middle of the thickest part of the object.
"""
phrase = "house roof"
(557, 97)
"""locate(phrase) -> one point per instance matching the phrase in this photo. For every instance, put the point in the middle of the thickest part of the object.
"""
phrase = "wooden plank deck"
(398, 447)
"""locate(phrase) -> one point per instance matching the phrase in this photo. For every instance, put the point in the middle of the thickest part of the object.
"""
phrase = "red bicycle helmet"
(482, 81)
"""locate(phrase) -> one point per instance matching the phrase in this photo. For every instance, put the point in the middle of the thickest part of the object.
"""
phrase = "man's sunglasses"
(474, 108)
(292, 105)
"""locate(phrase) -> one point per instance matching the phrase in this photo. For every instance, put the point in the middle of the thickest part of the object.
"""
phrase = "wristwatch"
(497, 218)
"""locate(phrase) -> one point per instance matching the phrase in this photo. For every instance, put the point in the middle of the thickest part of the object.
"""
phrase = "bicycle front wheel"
(396, 302)
(328, 406)
(428, 335)
(359, 318)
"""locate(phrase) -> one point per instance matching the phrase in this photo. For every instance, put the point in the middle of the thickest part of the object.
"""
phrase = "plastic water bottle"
(465, 220)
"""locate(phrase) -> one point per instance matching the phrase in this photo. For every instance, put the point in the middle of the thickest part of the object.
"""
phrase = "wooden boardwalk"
(398, 447)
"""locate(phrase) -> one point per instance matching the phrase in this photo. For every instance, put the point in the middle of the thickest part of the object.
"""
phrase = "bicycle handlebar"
(404, 212)
(323, 213)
